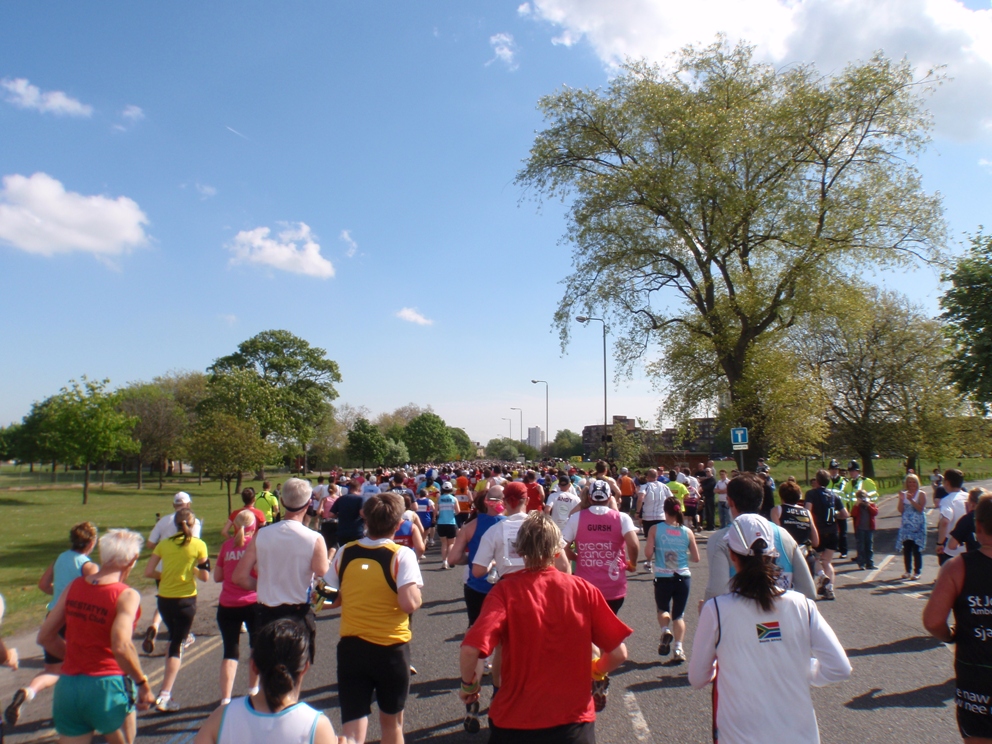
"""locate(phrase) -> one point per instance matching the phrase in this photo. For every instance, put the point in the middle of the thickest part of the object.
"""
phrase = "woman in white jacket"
(760, 632)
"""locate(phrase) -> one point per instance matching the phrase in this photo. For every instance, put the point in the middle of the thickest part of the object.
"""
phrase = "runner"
(183, 560)
(69, 566)
(793, 647)
(792, 516)
(447, 527)
(286, 557)
(272, 713)
(329, 520)
(547, 622)
(426, 510)
(166, 527)
(651, 498)
(628, 490)
(952, 507)
(348, 510)
(268, 503)
(562, 502)
(248, 498)
(828, 512)
(378, 584)
(464, 497)
(489, 508)
(235, 607)
(102, 680)
(964, 586)
(605, 544)
(671, 545)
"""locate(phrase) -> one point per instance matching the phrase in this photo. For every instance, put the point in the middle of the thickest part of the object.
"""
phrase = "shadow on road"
(932, 696)
(902, 646)
(662, 683)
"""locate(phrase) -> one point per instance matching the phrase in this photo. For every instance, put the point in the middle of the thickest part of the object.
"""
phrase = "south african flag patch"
(768, 632)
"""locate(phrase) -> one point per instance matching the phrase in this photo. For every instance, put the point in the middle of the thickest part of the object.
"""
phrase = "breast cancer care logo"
(768, 632)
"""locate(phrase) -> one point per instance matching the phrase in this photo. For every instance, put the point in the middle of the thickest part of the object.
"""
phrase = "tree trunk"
(229, 507)
(140, 473)
(180, 466)
(238, 488)
(161, 472)
(103, 476)
(54, 469)
(199, 476)
(31, 469)
(86, 483)
(867, 464)
(913, 461)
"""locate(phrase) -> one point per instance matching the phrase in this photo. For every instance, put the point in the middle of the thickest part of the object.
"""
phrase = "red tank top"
(90, 610)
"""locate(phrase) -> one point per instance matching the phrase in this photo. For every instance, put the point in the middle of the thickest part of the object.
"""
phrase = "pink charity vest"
(601, 553)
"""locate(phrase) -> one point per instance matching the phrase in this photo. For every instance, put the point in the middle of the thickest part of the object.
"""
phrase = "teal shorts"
(84, 704)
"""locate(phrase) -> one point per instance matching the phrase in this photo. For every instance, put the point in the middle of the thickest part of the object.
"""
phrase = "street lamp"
(547, 427)
(521, 421)
(510, 422)
(585, 319)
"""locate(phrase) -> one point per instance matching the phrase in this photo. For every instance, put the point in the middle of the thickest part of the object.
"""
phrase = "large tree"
(366, 443)
(226, 447)
(969, 314)
(161, 424)
(707, 199)
(428, 439)
(566, 444)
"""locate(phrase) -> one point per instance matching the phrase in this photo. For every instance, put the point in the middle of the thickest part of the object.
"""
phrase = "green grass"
(36, 522)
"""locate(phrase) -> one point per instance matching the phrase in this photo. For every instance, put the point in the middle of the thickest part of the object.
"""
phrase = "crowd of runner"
(545, 554)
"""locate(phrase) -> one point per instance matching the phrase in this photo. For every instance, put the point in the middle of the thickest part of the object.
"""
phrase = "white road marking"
(155, 677)
(881, 567)
(641, 730)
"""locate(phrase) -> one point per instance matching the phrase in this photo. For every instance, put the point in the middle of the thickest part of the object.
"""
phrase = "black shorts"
(50, 659)
(301, 613)
(329, 529)
(647, 524)
(365, 668)
(625, 503)
(671, 593)
(691, 511)
(229, 621)
(971, 723)
(828, 537)
(177, 614)
(447, 530)
(615, 604)
(473, 604)
(570, 733)
(461, 518)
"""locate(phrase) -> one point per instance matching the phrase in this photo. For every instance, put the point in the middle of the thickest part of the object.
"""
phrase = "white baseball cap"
(746, 530)
(181, 498)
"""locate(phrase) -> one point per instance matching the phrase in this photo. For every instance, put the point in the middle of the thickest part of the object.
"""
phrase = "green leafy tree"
(705, 201)
(627, 447)
(294, 381)
(396, 453)
(464, 449)
(566, 444)
(969, 317)
(36, 438)
(90, 426)
(366, 443)
(8, 441)
(161, 424)
(502, 449)
(226, 447)
(428, 439)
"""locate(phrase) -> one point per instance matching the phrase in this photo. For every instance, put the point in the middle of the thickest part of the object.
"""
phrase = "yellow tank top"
(370, 606)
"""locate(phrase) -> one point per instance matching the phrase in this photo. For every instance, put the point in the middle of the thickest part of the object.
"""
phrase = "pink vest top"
(601, 555)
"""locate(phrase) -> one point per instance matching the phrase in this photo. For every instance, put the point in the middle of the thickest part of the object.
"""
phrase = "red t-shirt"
(535, 499)
(546, 622)
(90, 610)
(259, 516)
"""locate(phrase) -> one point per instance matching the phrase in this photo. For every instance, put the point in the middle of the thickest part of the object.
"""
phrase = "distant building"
(593, 436)
(535, 437)
(700, 439)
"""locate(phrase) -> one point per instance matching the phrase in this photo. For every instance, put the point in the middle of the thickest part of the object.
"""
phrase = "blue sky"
(179, 177)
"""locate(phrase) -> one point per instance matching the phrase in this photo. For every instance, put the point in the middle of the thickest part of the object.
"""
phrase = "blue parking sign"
(738, 435)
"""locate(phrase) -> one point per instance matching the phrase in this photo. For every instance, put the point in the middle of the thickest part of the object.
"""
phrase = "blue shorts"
(85, 704)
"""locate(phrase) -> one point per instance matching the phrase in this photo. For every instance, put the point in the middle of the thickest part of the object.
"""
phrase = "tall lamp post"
(585, 319)
(521, 422)
(547, 427)
(510, 422)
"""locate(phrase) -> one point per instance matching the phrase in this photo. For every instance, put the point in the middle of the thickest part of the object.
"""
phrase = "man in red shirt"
(520, 613)
(535, 492)
(248, 497)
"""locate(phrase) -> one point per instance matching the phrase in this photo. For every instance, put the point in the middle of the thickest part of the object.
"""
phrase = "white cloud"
(411, 315)
(229, 318)
(205, 191)
(345, 237)
(296, 250)
(505, 49)
(828, 32)
(524, 9)
(38, 215)
(133, 113)
(26, 96)
(985, 163)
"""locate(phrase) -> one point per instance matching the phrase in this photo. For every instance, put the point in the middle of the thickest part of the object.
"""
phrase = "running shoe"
(678, 656)
(148, 645)
(907, 576)
(647, 566)
(843, 555)
(13, 711)
(916, 577)
(471, 722)
(870, 566)
(166, 705)
(600, 689)
(829, 593)
(413, 670)
(666, 643)
(190, 640)
(445, 566)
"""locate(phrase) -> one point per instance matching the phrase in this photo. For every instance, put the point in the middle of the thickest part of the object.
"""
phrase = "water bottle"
(493, 576)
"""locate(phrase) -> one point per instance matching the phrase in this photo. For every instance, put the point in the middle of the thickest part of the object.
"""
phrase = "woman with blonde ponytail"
(236, 606)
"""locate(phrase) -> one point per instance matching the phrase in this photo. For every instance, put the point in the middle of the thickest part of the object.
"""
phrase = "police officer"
(836, 487)
(856, 482)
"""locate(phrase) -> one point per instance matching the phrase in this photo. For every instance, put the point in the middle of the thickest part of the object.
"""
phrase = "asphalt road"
(902, 688)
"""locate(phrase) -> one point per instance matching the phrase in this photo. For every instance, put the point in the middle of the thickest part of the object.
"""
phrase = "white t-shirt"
(721, 491)
(284, 557)
(572, 527)
(653, 506)
(562, 503)
(952, 508)
(783, 651)
(166, 527)
(499, 545)
(407, 567)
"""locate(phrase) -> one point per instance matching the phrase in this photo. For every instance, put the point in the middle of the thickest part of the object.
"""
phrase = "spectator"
(912, 536)
(863, 515)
